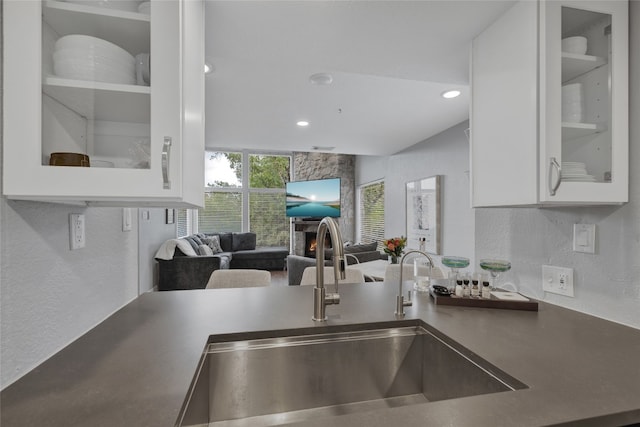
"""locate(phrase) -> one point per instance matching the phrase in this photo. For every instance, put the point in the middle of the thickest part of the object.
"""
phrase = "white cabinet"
(150, 137)
(527, 122)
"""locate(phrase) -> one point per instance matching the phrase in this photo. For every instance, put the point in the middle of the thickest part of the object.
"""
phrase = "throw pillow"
(182, 245)
(204, 250)
(214, 244)
(192, 242)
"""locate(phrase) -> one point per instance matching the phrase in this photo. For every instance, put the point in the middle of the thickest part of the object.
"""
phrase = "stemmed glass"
(495, 267)
(454, 263)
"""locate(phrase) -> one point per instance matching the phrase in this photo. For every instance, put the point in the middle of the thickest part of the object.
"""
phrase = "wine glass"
(495, 267)
(454, 263)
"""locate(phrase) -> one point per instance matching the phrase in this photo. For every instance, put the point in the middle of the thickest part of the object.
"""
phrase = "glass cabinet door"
(585, 104)
(96, 84)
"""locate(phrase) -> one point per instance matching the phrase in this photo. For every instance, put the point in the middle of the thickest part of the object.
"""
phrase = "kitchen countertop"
(134, 369)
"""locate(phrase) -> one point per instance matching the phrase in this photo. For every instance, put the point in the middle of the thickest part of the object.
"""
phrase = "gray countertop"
(134, 369)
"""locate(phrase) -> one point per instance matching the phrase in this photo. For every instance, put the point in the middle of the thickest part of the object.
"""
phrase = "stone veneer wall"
(326, 165)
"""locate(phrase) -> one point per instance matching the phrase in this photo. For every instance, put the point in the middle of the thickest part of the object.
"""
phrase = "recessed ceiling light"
(303, 123)
(322, 148)
(451, 94)
(321, 79)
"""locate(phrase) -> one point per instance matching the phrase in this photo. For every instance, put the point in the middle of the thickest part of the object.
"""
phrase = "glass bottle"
(486, 288)
(475, 288)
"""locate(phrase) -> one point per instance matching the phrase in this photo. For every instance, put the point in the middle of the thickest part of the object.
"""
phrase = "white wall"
(153, 231)
(445, 154)
(51, 295)
(607, 283)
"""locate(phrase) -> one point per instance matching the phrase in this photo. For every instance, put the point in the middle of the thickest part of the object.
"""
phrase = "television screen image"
(313, 199)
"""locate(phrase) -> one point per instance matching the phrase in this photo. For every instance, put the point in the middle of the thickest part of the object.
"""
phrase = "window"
(268, 175)
(267, 219)
(371, 213)
(222, 212)
(182, 225)
(244, 192)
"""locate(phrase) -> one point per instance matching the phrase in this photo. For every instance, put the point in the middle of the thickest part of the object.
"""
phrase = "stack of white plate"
(128, 5)
(575, 172)
(83, 57)
(572, 105)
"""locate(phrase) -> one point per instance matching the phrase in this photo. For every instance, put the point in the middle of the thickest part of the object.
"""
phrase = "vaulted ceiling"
(389, 61)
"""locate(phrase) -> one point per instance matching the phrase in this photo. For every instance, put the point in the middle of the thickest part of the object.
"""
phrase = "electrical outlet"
(76, 231)
(557, 280)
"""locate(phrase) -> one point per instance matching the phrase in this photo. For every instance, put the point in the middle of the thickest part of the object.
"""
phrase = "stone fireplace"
(311, 243)
(315, 165)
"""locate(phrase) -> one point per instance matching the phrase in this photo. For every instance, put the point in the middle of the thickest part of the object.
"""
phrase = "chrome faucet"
(400, 303)
(320, 298)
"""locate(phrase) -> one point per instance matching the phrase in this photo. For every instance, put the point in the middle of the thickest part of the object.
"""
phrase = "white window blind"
(268, 175)
(222, 212)
(371, 213)
(267, 219)
(182, 225)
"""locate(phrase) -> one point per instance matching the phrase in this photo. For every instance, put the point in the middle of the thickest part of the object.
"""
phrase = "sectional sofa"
(187, 262)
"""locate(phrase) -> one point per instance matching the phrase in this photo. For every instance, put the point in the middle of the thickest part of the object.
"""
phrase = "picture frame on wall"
(423, 199)
(170, 216)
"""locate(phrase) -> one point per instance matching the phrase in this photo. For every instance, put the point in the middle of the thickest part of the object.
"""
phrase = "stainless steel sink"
(271, 378)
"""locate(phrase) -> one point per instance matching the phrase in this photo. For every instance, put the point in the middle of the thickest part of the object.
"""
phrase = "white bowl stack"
(572, 103)
(83, 57)
(577, 44)
(575, 172)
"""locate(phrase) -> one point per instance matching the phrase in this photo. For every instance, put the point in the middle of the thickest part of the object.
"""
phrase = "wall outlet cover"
(557, 280)
(76, 231)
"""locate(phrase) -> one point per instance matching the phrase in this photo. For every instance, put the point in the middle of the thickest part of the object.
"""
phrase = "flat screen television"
(313, 199)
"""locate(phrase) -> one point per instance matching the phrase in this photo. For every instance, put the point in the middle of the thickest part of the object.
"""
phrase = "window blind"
(222, 212)
(267, 219)
(182, 225)
(371, 213)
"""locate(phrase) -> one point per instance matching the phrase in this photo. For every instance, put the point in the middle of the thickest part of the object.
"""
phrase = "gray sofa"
(192, 270)
(363, 252)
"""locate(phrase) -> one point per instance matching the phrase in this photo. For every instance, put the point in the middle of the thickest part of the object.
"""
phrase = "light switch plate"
(584, 238)
(557, 280)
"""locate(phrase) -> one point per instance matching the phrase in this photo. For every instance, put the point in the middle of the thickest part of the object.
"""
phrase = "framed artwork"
(171, 216)
(423, 214)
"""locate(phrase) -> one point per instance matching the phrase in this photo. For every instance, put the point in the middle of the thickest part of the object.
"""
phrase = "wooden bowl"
(69, 159)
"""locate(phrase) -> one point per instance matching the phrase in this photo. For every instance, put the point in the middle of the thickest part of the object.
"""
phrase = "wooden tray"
(529, 305)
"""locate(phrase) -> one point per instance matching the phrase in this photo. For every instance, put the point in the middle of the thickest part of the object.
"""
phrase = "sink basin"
(277, 377)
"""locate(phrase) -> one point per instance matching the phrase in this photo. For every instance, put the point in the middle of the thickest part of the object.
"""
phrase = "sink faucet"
(400, 303)
(320, 298)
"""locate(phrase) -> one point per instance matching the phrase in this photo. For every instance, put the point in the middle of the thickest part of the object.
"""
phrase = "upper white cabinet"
(549, 119)
(144, 138)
